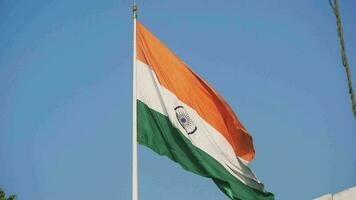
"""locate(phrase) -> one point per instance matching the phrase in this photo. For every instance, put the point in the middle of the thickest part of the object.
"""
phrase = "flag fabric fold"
(181, 116)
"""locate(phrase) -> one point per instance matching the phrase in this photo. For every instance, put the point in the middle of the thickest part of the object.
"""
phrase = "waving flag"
(181, 116)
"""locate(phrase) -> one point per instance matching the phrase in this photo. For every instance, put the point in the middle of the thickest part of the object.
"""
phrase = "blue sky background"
(65, 94)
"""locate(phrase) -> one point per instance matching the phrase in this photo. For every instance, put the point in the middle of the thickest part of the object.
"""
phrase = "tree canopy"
(3, 195)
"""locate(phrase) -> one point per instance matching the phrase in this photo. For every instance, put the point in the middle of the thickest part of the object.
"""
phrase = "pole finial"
(134, 10)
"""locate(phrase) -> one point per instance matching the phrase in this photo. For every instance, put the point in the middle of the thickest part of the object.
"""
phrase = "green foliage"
(335, 6)
(3, 195)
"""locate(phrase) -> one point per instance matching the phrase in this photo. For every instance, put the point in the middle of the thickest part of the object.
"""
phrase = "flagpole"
(134, 114)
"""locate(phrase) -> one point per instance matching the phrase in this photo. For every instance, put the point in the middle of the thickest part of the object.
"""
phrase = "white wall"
(349, 194)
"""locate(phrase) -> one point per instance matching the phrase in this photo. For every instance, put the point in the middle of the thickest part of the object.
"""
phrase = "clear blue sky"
(65, 94)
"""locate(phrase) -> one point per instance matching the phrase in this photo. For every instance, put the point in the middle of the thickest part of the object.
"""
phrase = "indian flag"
(181, 116)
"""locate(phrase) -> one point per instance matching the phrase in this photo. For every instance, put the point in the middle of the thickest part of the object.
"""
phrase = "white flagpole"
(134, 114)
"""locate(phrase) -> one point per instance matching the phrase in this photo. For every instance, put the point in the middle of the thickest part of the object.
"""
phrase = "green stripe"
(157, 132)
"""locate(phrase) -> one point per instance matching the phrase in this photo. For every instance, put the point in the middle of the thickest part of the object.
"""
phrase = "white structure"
(349, 194)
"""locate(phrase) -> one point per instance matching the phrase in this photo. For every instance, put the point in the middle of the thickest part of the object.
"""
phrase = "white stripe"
(206, 137)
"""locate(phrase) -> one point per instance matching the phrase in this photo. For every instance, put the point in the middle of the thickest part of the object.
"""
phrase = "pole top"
(134, 10)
